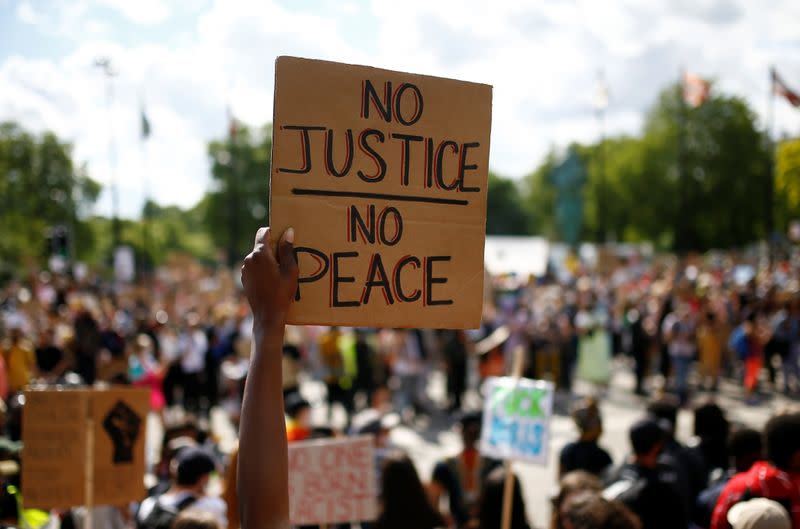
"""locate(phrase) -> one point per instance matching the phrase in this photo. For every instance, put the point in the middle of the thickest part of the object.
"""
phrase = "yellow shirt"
(20, 362)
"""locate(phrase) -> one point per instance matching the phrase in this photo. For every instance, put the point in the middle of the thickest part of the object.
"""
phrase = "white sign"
(516, 419)
(332, 481)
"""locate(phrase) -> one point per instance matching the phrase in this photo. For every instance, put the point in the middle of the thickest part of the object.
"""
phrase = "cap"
(193, 464)
(759, 513)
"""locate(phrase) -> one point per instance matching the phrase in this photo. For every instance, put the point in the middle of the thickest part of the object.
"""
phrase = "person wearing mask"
(490, 505)
(778, 478)
(637, 483)
(745, 450)
(461, 477)
(194, 467)
(404, 503)
(585, 453)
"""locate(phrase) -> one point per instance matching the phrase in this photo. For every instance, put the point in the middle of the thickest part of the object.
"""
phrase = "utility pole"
(600, 106)
(104, 63)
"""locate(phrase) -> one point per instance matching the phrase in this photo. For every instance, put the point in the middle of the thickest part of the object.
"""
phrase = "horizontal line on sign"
(379, 196)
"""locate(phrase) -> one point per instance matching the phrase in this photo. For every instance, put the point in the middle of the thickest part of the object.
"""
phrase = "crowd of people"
(186, 334)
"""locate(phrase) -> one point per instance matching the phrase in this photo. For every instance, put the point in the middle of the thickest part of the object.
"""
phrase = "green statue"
(568, 178)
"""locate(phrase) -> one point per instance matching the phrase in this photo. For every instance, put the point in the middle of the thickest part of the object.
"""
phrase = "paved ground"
(429, 441)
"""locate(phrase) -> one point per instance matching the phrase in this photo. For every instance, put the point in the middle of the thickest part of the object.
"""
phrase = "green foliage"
(505, 211)
(636, 180)
(238, 203)
(40, 187)
(787, 183)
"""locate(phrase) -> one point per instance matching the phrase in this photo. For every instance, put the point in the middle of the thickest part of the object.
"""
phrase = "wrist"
(271, 323)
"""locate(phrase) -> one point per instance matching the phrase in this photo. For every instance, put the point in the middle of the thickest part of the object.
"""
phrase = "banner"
(83, 440)
(332, 481)
(516, 419)
(383, 176)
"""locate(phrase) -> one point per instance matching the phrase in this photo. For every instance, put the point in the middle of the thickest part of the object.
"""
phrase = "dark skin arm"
(270, 283)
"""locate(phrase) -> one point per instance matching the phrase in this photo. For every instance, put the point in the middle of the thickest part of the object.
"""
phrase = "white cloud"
(542, 60)
(26, 13)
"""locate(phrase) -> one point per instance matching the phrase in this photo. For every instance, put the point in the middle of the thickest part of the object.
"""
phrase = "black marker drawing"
(122, 425)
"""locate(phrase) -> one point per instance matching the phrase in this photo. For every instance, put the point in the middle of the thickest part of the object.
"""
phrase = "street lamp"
(105, 66)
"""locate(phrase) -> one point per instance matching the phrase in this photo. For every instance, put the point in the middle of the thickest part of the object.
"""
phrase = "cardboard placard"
(55, 433)
(383, 176)
(332, 481)
(516, 419)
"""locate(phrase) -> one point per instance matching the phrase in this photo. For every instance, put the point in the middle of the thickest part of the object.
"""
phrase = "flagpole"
(681, 238)
(147, 261)
(770, 179)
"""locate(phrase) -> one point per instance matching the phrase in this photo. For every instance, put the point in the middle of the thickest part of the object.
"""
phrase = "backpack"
(162, 516)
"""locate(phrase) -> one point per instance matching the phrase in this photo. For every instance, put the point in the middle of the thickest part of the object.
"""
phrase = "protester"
(490, 506)
(585, 453)
(745, 450)
(778, 478)
(404, 503)
(192, 519)
(759, 513)
(586, 510)
(194, 467)
(461, 477)
(637, 484)
(571, 483)
(298, 423)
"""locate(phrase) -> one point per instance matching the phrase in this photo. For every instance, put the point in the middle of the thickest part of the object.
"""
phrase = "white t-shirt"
(194, 345)
(208, 504)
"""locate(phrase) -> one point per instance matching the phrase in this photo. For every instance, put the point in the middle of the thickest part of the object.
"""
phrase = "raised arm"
(262, 478)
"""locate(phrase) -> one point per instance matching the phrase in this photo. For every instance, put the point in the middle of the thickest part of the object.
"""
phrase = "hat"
(193, 464)
(644, 435)
(372, 422)
(497, 338)
(295, 403)
(759, 513)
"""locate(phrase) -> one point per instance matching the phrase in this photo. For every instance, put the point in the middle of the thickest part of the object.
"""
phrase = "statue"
(568, 178)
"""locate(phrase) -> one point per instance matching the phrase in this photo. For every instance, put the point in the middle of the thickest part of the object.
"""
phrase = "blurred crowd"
(683, 328)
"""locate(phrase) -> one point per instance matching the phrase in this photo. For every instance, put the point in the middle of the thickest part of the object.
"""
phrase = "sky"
(187, 62)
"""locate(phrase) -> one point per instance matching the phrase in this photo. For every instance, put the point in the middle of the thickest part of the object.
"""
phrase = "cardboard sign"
(383, 176)
(516, 419)
(332, 481)
(67, 433)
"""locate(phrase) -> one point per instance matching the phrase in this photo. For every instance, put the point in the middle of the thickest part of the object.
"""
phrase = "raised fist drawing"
(122, 425)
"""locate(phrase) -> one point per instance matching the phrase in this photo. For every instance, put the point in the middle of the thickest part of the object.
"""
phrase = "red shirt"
(761, 481)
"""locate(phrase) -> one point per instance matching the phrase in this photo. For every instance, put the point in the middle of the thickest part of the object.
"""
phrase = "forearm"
(263, 468)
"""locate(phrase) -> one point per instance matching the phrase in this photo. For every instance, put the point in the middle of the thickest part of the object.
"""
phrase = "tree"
(721, 201)
(787, 183)
(40, 188)
(239, 200)
(505, 210)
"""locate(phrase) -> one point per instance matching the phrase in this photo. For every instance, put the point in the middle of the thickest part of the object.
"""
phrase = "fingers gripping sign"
(270, 280)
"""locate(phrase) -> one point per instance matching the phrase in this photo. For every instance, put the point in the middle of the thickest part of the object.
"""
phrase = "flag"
(232, 126)
(695, 89)
(780, 88)
(601, 94)
(145, 126)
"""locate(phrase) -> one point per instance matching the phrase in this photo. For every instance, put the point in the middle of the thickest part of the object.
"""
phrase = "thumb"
(286, 257)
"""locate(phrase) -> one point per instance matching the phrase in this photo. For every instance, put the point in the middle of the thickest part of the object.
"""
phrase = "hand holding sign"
(270, 282)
